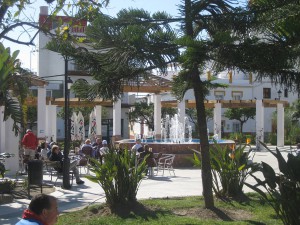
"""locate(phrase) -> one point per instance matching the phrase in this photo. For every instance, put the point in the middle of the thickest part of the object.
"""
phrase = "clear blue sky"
(26, 52)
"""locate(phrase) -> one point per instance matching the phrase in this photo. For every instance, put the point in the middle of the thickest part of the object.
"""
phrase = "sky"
(28, 56)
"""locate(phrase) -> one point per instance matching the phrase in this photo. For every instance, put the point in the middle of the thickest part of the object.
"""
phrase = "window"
(219, 95)
(267, 93)
(74, 67)
(237, 95)
(286, 93)
(236, 127)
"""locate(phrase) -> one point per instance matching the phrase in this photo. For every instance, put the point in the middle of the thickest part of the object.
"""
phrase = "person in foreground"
(42, 210)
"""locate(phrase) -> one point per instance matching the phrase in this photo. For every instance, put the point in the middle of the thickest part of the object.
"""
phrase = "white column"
(98, 112)
(41, 114)
(181, 110)
(2, 130)
(117, 119)
(217, 119)
(157, 115)
(12, 147)
(259, 120)
(280, 125)
(51, 126)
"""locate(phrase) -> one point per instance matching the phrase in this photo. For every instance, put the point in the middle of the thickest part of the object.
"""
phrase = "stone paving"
(187, 182)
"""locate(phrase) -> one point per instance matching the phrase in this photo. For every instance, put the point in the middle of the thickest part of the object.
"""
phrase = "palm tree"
(13, 87)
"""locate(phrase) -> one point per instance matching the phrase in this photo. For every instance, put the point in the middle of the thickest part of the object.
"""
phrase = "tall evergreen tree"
(127, 47)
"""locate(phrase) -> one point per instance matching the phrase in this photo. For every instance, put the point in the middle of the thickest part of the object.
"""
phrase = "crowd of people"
(98, 150)
(51, 152)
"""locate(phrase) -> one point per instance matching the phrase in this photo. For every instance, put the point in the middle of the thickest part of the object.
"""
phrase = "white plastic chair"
(166, 162)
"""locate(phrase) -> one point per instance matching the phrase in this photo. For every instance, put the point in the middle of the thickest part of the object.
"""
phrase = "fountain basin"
(183, 152)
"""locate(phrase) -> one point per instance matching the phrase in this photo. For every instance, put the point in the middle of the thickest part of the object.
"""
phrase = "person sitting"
(57, 156)
(138, 147)
(42, 210)
(44, 151)
(49, 152)
(96, 146)
(103, 150)
(150, 160)
(87, 149)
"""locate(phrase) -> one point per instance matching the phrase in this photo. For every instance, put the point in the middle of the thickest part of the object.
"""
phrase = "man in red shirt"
(30, 144)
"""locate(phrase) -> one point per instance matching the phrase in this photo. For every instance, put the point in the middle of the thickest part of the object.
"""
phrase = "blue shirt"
(87, 148)
(29, 222)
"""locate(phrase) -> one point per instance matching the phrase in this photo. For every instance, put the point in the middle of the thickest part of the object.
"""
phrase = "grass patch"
(188, 210)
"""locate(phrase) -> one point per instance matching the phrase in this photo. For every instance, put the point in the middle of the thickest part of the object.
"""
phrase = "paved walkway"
(187, 182)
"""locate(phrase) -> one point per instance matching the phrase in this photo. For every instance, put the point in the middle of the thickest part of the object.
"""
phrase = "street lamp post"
(66, 163)
(279, 94)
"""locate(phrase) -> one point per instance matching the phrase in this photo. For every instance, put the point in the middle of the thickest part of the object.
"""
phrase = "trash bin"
(35, 174)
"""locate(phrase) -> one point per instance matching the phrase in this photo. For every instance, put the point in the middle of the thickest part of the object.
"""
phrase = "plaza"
(48, 87)
(187, 182)
(229, 85)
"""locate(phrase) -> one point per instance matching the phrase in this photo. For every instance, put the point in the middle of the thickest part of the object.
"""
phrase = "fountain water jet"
(174, 131)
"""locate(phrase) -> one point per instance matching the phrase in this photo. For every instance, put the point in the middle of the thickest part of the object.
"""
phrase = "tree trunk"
(66, 163)
(242, 124)
(201, 117)
(205, 156)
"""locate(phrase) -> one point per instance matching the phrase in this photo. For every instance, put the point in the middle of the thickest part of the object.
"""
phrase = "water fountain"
(174, 131)
(176, 138)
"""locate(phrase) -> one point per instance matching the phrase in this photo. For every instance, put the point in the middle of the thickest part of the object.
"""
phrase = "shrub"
(230, 168)
(238, 137)
(292, 135)
(7, 186)
(287, 142)
(119, 176)
(283, 188)
(2, 169)
(273, 138)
